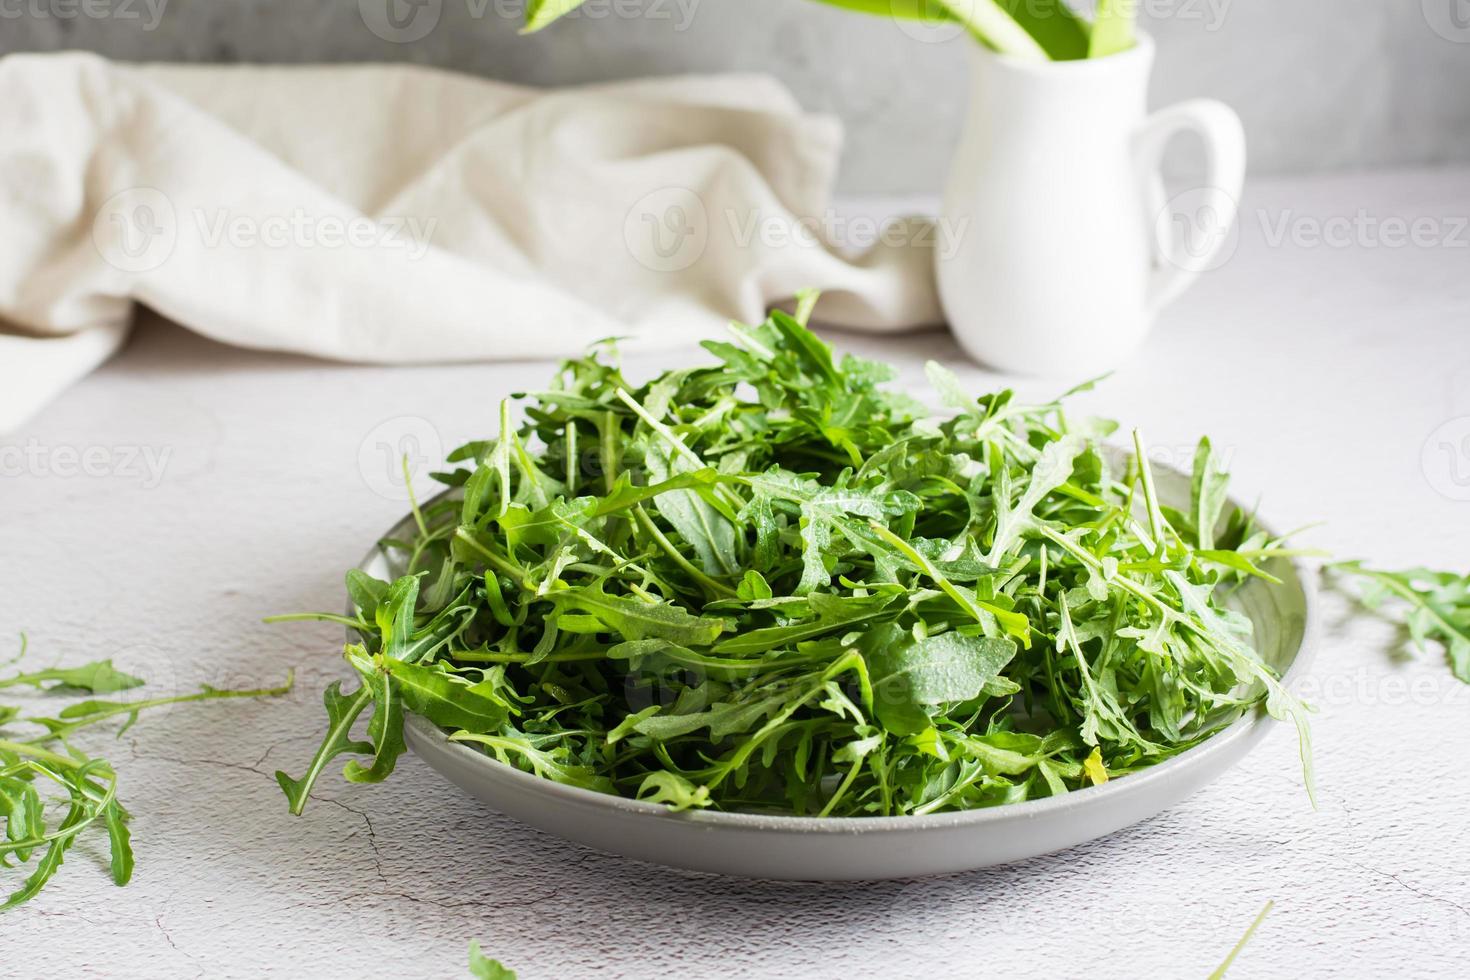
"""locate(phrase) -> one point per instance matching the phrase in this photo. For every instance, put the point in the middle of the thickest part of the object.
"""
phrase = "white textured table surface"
(1336, 377)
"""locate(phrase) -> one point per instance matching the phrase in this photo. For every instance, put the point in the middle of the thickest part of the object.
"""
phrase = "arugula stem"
(608, 447)
(989, 23)
(1221, 970)
(496, 657)
(842, 788)
(1150, 496)
(103, 710)
(356, 624)
(502, 565)
(663, 542)
(1011, 621)
(33, 750)
(413, 504)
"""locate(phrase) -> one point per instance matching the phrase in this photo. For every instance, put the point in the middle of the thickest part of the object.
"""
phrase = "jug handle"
(1215, 201)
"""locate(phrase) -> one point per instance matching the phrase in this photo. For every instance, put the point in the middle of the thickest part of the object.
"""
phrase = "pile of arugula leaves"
(768, 584)
(41, 766)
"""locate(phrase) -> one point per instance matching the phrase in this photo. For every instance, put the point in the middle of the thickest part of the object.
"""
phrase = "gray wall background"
(1323, 85)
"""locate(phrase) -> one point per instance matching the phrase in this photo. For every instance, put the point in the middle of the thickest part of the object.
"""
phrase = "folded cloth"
(394, 214)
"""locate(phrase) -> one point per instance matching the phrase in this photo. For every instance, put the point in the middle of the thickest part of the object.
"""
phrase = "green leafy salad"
(768, 584)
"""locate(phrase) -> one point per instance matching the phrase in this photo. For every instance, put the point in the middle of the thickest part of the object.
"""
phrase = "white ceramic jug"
(1067, 253)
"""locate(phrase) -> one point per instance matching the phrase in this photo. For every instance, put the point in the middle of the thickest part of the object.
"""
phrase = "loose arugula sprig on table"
(769, 584)
(1433, 606)
(42, 770)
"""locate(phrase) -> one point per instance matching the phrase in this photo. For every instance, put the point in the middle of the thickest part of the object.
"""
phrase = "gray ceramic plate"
(859, 848)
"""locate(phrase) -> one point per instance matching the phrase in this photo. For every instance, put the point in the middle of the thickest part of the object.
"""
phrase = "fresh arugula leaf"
(911, 675)
(446, 698)
(1060, 32)
(542, 13)
(1112, 28)
(99, 677)
(342, 711)
(482, 968)
(636, 619)
(674, 790)
(1207, 496)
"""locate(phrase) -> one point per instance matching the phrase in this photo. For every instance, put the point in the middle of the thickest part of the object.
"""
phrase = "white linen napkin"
(394, 214)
